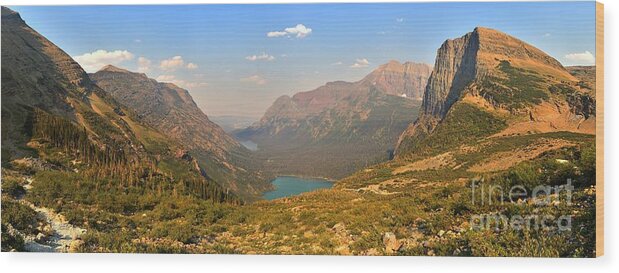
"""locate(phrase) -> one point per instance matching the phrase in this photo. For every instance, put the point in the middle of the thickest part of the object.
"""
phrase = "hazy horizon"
(237, 59)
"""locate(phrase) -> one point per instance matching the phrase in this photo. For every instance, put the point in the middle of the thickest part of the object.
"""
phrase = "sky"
(237, 59)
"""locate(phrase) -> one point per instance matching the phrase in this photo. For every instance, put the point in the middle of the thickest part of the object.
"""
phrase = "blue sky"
(230, 63)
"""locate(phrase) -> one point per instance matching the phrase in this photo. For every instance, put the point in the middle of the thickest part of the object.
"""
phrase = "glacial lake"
(291, 185)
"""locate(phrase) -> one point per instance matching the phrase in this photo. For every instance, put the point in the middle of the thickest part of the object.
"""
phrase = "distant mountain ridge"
(231, 123)
(172, 111)
(353, 123)
(400, 79)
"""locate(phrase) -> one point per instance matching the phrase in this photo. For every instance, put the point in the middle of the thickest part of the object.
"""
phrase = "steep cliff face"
(351, 124)
(455, 67)
(172, 111)
(35, 73)
(497, 73)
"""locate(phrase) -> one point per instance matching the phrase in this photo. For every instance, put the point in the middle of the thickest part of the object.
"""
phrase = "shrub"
(519, 88)
(20, 216)
(11, 241)
(12, 187)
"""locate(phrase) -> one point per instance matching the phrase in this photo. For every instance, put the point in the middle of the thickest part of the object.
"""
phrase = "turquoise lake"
(290, 185)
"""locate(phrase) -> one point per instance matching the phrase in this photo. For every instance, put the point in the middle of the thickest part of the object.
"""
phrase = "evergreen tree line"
(111, 166)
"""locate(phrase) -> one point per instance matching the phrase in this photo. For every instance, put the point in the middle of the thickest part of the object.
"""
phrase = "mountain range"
(146, 120)
(340, 127)
(117, 162)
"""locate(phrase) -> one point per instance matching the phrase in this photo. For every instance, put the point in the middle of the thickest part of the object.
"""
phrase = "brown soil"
(505, 160)
(444, 160)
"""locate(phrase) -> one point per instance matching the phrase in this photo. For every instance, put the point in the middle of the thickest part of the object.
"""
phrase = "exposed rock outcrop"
(391, 243)
(45, 80)
(172, 111)
(407, 79)
(505, 76)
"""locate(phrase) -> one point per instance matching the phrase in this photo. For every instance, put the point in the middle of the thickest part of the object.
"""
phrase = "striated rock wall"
(166, 107)
(455, 68)
(492, 62)
(172, 111)
(35, 73)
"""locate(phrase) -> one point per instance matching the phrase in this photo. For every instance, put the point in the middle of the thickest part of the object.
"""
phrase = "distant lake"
(290, 185)
(252, 146)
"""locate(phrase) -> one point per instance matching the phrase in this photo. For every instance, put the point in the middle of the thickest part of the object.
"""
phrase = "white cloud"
(337, 63)
(399, 20)
(547, 34)
(173, 63)
(144, 64)
(274, 34)
(298, 31)
(360, 63)
(256, 79)
(192, 66)
(93, 61)
(179, 82)
(192, 85)
(581, 58)
(261, 57)
(137, 41)
(165, 78)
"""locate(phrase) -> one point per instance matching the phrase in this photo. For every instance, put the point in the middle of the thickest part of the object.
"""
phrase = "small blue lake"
(291, 185)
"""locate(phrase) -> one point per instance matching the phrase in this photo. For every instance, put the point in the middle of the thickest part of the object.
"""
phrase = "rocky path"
(63, 235)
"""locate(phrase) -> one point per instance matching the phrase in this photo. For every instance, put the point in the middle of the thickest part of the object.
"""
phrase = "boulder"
(441, 233)
(339, 228)
(391, 242)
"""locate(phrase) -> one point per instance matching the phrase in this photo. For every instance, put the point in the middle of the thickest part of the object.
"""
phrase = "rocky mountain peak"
(25, 41)
(476, 54)
(498, 72)
(121, 71)
(400, 79)
(8, 14)
(111, 68)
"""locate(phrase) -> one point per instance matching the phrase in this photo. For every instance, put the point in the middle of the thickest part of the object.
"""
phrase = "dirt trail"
(63, 233)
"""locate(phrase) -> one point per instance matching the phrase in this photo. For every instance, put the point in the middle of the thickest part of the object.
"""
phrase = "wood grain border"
(599, 129)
